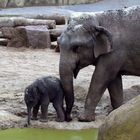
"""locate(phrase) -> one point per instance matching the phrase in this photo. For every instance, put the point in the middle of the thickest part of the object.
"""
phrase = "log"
(1, 35)
(21, 21)
(59, 18)
(3, 41)
(54, 33)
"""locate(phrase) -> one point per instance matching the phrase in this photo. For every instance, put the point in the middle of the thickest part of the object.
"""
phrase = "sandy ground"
(19, 67)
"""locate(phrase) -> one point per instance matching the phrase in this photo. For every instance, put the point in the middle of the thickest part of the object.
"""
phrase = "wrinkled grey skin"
(110, 42)
(41, 93)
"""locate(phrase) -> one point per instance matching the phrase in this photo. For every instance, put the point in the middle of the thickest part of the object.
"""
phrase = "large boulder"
(38, 36)
(27, 36)
(17, 36)
(123, 123)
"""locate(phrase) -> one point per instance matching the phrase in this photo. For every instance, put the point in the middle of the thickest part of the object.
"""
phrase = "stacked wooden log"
(32, 31)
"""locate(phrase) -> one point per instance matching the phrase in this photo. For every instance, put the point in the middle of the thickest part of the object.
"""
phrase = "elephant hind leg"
(116, 92)
(100, 81)
(60, 112)
(35, 112)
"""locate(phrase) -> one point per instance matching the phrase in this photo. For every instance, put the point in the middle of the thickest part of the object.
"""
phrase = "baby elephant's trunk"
(29, 115)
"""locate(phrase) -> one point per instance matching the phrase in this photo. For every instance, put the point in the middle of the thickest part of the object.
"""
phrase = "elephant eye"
(75, 49)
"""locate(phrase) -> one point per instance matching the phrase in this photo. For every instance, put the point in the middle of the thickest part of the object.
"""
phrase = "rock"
(17, 37)
(6, 22)
(123, 123)
(7, 119)
(38, 36)
(27, 36)
(7, 32)
(4, 115)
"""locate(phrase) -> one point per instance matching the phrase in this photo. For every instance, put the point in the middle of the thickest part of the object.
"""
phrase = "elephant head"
(31, 99)
(80, 45)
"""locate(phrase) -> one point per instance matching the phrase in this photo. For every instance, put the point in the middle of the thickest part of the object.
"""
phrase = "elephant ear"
(35, 93)
(103, 43)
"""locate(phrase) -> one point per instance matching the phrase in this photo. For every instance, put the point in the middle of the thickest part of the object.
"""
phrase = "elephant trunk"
(29, 115)
(66, 76)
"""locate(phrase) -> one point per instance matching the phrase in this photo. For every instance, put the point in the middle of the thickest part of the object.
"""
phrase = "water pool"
(48, 134)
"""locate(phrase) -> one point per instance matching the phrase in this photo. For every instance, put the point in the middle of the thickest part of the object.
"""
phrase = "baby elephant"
(41, 93)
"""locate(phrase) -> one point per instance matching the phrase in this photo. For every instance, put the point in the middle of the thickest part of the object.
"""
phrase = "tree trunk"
(21, 21)
(59, 19)
(54, 33)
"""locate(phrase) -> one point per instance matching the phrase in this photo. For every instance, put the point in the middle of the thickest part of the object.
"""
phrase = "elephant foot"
(60, 119)
(68, 118)
(86, 118)
(34, 118)
(43, 120)
(26, 125)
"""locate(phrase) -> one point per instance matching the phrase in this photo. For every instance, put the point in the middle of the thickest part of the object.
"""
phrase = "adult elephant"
(111, 42)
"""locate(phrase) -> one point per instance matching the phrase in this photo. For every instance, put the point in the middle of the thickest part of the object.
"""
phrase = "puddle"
(48, 134)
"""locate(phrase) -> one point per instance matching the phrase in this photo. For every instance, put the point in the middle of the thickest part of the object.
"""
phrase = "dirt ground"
(19, 67)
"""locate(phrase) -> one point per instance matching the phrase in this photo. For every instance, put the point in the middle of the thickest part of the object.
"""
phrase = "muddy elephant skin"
(111, 42)
(41, 93)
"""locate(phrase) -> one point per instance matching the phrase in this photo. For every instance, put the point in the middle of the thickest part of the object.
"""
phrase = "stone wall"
(21, 3)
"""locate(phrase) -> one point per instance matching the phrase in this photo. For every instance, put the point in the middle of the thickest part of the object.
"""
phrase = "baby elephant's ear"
(35, 92)
(103, 42)
(26, 91)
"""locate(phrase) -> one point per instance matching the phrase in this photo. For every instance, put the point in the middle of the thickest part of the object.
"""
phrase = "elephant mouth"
(76, 70)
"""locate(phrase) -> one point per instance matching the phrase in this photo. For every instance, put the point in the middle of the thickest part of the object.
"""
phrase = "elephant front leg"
(44, 109)
(116, 92)
(44, 113)
(35, 112)
(100, 80)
